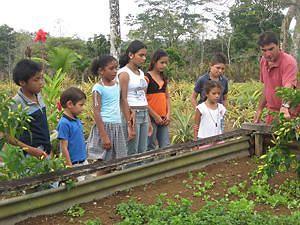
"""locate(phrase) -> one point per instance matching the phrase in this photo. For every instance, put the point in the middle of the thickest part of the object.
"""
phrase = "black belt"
(78, 162)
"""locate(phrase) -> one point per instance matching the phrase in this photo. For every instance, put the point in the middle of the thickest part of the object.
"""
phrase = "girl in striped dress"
(107, 140)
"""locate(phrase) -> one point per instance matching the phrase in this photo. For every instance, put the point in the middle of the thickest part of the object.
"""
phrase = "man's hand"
(285, 112)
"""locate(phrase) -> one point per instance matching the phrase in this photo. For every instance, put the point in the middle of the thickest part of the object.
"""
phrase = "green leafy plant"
(51, 94)
(13, 119)
(182, 127)
(96, 221)
(279, 157)
(17, 165)
(75, 211)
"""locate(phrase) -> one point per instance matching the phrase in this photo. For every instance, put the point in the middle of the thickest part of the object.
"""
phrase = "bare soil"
(224, 174)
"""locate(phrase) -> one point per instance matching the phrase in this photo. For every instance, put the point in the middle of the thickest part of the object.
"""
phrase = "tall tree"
(248, 19)
(115, 33)
(166, 21)
(293, 12)
(7, 47)
(98, 45)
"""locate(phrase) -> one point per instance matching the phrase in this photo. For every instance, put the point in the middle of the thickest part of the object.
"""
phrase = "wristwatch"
(285, 105)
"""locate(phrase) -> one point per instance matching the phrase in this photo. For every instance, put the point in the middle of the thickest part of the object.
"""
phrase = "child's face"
(109, 72)
(162, 63)
(139, 57)
(34, 84)
(77, 108)
(217, 70)
(214, 95)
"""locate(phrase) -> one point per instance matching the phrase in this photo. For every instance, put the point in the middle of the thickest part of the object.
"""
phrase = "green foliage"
(98, 45)
(248, 19)
(166, 21)
(183, 129)
(17, 165)
(260, 191)
(61, 58)
(7, 48)
(279, 157)
(75, 211)
(13, 119)
(169, 212)
(51, 95)
(96, 221)
(242, 100)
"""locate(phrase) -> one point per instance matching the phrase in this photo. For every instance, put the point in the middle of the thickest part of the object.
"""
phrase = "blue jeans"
(159, 135)
(139, 143)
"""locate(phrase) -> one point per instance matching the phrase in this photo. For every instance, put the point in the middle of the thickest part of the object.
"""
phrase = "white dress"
(210, 123)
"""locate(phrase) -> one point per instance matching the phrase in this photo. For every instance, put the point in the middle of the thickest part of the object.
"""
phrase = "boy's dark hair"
(217, 58)
(24, 70)
(73, 94)
(101, 62)
(267, 38)
(210, 84)
(133, 48)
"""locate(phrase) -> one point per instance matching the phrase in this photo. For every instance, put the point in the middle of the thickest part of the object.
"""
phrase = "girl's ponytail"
(133, 48)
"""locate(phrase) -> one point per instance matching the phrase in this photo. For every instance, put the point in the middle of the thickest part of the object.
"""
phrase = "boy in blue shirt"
(36, 141)
(70, 129)
(217, 68)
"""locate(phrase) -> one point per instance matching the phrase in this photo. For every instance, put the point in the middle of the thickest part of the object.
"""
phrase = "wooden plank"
(54, 200)
(66, 174)
(258, 127)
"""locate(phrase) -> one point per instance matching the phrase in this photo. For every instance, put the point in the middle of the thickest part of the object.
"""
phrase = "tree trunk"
(285, 26)
(115, 34)
(296, 37)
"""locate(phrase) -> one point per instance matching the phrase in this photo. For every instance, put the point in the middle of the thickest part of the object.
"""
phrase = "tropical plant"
(61, 58)
(51, 94)
(17, 165)
(279, 157)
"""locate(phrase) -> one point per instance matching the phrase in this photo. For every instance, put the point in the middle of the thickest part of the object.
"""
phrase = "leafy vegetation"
(167, 211)
(279, 157)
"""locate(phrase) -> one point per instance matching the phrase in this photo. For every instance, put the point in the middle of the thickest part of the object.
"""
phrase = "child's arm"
(158, 120)
(106, 143)
(168, 116)
(194, 99)
(38, 153)
(65, 152)
(197, 123)
(128, 114)
(225, 101)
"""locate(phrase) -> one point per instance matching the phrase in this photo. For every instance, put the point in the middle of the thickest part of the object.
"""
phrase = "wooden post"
(260, 129)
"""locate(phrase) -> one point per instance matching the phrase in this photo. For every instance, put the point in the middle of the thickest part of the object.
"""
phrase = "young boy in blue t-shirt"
(70, 129)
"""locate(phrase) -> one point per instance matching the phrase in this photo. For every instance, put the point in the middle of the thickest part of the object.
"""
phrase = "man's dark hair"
(267, 38)
(217, 58)
(24, 70)
(73, 94)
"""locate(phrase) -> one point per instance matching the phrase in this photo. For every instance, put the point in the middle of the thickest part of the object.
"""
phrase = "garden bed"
(216, 178)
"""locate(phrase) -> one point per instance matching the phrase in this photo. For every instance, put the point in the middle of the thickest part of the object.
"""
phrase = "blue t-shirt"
(199, 87)
(110, 102)
(72, 130)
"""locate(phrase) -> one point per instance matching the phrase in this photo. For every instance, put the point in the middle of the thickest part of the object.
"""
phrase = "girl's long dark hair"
(159, 53)
(133, 48)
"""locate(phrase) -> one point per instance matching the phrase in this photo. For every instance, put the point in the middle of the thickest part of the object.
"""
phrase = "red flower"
(58, 106)
(40, 36)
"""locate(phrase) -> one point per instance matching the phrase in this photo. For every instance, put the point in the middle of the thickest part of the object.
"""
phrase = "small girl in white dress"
(209, 114)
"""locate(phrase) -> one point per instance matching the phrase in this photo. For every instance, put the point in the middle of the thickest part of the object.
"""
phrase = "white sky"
(63, 17)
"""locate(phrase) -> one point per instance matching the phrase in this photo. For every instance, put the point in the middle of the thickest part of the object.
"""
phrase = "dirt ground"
(224, 174)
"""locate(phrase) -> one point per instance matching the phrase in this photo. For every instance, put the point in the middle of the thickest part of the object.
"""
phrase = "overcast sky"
(63, 17)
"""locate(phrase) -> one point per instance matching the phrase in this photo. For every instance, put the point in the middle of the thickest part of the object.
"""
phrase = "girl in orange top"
(158, 100)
